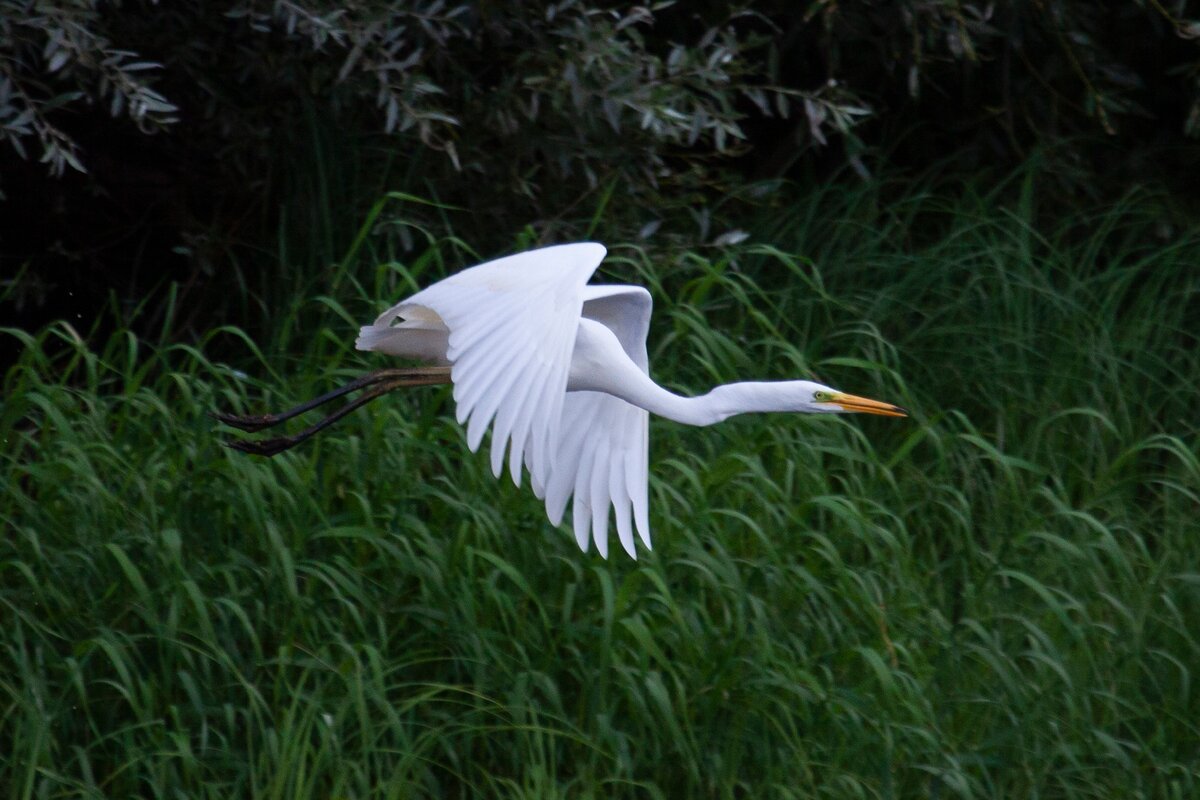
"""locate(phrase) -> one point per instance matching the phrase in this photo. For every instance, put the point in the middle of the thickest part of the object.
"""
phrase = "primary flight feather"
(557, 369)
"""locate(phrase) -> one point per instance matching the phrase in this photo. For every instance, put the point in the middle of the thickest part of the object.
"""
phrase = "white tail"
(410, 339)
(372, 337)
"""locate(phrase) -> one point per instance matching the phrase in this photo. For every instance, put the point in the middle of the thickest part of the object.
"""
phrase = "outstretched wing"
(602, 453)
(512, 325)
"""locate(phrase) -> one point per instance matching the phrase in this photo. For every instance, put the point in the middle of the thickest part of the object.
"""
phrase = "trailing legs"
(378, 383)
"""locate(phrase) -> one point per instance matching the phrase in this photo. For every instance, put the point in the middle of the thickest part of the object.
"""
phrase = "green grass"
(996, 598)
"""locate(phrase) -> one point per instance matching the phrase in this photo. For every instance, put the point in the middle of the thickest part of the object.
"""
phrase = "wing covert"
(510, 328)
(512, 325)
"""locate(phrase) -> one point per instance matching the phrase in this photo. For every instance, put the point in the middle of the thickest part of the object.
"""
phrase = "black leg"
(385, 380)
(251, 423)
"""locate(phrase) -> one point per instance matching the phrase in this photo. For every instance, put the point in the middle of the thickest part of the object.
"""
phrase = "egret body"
(557, 370)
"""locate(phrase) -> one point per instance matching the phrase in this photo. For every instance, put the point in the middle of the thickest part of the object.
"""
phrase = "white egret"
(558, 370)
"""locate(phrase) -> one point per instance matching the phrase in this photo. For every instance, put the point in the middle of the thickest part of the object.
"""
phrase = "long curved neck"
(599, 364)
(718, 405)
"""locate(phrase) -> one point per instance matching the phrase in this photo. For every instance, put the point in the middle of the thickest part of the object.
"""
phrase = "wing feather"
(619, 495)
(581, 523)
(566, 462)
(602, 461)
(503, 426)
(511, 325)
(602, 455)
(522, 431)
(598, 498)
(638, 478)
(494, 387)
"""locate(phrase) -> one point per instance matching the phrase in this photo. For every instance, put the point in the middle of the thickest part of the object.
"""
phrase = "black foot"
(264, 447)
(251, 423)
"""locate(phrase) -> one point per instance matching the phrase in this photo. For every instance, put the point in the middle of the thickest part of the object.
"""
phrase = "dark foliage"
(143, 142)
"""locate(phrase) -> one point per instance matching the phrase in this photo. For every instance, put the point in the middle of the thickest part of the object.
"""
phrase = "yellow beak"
(863, 405)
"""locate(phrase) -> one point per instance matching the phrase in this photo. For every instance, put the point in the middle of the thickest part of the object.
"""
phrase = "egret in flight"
(557, 368)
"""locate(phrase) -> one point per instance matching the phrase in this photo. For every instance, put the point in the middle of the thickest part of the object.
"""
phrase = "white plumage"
(558, 370)
(508, 328)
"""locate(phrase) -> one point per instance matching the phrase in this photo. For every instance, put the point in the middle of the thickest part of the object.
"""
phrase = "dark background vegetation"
(144, 144)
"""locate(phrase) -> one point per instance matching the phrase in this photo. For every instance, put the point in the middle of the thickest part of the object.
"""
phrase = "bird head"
(820, 399)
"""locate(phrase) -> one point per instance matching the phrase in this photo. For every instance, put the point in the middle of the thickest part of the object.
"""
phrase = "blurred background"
(983, 211)
(148, 143)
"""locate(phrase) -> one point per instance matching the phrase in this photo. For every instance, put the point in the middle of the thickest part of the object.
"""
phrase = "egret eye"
(822, 397)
